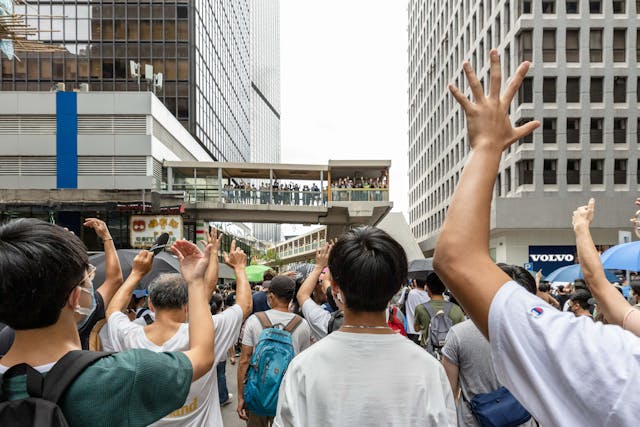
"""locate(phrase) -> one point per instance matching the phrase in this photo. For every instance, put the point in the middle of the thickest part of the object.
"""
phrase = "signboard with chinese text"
(145, 229)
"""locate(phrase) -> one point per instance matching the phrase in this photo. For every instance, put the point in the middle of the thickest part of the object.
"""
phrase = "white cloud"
(344, 84)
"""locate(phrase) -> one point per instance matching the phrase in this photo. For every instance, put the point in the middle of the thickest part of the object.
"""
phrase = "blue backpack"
(270, 359)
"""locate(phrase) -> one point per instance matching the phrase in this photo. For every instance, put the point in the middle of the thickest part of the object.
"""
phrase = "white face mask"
(86, 312)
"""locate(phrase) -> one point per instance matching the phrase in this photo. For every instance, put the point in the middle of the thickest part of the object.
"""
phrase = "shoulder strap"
(293, 324)
(64, 373)
(264, 320)
(427, 305)
(448, 305)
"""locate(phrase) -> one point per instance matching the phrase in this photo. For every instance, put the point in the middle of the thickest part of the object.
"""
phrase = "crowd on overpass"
(291, 194)
(359, 188)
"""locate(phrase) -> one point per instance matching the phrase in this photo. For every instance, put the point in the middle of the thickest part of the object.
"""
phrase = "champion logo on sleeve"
(536, 311)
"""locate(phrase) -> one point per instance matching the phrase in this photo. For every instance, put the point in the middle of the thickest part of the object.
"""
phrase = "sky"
(343, 66)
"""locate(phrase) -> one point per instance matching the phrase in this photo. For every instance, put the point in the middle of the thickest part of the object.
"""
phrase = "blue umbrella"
(570, 273)
(625, 256)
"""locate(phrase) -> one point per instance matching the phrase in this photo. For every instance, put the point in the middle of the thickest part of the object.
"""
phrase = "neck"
(43, 345)
(365, 318)
(437, 297)
(170, 317)
(280, 307)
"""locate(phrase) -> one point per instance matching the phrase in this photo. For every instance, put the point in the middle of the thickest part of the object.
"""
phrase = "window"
(573, 171)
(595, 130)
(638, 169)
(525, 46)
(550, 171)
(638, 90)
(529, 138)
(525, 6)
(525, 172)
(595, 92)
(595, 45)
(573, 89)
(572, 51)
(507, 178)
(618, 6)
(597, 171)
(595, 6)
(499, 185)
(549, 45)
(526, 91)
(620, 171)
(619, 43)
(548, 6)
(549, 131)
(619, 89)
(638, 43)
(573, 130)
(620, 130)
(572, 6)
(549, 89)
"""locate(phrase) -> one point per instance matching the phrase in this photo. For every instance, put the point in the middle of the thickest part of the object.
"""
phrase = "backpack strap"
(293, 324)
(264, 320)
(448, 305)
(430, 309)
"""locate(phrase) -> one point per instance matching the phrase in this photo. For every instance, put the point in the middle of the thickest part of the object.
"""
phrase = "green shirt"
(422, 318)
(132, 388)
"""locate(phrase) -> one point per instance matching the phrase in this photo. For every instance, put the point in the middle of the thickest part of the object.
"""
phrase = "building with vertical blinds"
(202, 49)
(583, 86)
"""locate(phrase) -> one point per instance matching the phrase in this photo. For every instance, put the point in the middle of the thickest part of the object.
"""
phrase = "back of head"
(581, 297)
(544, 287)
(369, 267)
(421, 283)
(580, 284)
(216, 303)
(521, 276)
(434, 284)
(168, 291)
(283, 288)
(40, 265)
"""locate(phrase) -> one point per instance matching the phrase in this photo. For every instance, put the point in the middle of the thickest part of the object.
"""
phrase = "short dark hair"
(168, 291)
(580, 283)
(434, 284)
(521, 276)
(635, 286)
(369, 266)
(421, 283)
(581, 297)
(544, 287)
(40, 264)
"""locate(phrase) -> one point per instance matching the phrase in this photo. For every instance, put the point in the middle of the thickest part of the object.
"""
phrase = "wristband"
(107, 239)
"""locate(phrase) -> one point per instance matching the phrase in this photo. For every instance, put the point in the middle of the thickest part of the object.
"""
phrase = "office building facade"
(582, 87)
(200, 47)
(265, 94)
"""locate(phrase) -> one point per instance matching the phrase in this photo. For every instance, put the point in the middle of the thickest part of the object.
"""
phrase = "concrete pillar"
(170, 178)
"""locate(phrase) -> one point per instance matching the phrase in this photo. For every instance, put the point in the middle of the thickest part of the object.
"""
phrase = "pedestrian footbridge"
(339, 195)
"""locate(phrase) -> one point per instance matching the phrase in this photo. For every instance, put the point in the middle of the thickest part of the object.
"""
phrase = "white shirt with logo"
(202, 407)
(566, 370)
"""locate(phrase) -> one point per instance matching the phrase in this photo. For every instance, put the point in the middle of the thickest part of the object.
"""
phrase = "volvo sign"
(550, 258)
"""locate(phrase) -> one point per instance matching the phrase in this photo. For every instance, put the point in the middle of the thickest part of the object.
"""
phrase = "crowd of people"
(346, 343)
(291, 194)
(359, 188)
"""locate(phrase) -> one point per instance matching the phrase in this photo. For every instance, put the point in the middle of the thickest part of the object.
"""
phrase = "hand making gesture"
(211, 275)
(236, 258)
(193, 263)
(100, 228)
(583, 215)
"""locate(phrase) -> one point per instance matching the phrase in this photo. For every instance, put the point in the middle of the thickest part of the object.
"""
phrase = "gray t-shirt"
(468, 349)
(301, 337)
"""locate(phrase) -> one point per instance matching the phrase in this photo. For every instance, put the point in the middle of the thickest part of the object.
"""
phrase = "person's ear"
(73, 300)
(150, 304)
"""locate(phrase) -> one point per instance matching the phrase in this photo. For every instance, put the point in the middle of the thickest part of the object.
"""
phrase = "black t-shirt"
(259, 302)
(7, 335)
(231, 299)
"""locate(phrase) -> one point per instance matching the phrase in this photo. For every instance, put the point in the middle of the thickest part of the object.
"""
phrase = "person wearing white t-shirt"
(317, 316)
(279, 295)
(540, 354)
(168, 299)
(358, 375)
(416, 296)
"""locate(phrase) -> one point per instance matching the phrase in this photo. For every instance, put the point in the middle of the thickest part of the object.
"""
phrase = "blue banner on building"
(550, 258)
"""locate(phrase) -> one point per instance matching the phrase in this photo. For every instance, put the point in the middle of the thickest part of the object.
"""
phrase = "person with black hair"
(416, 296)
(579, 303)
(436, 303)
(365, 374)
(45, 268)
(466, 357)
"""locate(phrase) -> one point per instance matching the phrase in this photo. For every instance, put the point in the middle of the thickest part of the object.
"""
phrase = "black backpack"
(41, 408)
(335, 321)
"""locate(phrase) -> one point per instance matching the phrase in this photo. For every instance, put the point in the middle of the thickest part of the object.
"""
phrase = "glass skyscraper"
(202, 49)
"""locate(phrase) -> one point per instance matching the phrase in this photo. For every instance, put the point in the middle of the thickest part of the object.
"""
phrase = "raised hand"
(100, 228)
(215, 239)
(193, 263)
(236, 258)
(142, 263)
(583, 215)
(322, 254)
(488, 123)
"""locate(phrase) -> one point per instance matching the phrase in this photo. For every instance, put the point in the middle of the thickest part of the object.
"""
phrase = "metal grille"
(109, 165)
(112, 125)
(27, 125)
(28, 165)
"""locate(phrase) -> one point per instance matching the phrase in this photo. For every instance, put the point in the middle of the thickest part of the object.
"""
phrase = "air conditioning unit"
(60, 87)
(84, 87)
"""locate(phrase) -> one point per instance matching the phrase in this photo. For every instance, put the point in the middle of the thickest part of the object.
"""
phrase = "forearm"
(243, 291)
(211, 275)
(113, 272)
(201, 329)
(121, 299)
(243, 366)
(610, 302)
(464, 239)
(305, 291)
